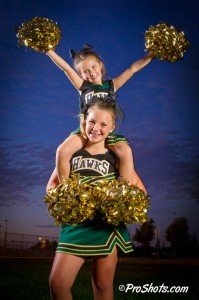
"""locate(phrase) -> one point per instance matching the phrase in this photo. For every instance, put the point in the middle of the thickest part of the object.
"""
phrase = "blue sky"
(38, 105)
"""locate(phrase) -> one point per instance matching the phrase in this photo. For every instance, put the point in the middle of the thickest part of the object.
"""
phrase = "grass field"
(27, 279)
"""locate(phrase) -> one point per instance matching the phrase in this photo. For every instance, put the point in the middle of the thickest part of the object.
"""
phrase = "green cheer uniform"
(93, 237)
(88, 90)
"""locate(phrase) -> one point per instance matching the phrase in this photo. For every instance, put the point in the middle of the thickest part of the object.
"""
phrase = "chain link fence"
(26, 245)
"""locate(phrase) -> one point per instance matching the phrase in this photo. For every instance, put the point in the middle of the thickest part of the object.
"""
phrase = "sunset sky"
(38, 105)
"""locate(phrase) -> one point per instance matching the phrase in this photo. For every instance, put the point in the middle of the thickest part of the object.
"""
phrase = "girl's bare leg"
(103, 271)
(64, 153)
(138, 182)
(64, 271)
(126, 165)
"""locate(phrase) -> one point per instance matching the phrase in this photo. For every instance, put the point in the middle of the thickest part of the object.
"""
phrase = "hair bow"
(72, 53)
(87, 47)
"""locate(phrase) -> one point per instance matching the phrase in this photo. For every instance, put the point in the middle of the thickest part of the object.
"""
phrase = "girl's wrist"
(151, 55)
(49, 52)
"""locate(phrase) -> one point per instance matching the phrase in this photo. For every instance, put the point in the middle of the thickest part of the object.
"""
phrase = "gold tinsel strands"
(70, 202)
(166, 42)
(116, 201)
(40, 34)
(121, 203)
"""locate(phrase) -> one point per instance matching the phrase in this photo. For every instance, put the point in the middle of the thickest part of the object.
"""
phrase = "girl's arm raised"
(75, 79)
(135, 67)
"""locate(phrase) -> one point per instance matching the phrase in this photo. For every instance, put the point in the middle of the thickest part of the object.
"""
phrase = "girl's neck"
(100, 83)
(97, 148)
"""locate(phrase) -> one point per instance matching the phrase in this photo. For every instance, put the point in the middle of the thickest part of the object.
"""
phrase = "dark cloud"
(24, 167)
(169, 163)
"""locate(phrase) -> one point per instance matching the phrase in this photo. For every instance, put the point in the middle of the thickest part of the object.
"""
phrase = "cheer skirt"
(112, 138)
(87, 239)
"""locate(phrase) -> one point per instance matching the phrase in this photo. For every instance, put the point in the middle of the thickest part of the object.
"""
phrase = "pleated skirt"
(89, 239)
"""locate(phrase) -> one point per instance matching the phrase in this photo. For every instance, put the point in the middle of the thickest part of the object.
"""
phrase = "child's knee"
(57, 283)
(53, 283)
(70, 146)
(63, 151)
(122, 150)
(103, 283)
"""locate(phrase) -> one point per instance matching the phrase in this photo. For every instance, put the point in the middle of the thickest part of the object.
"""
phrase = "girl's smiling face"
(98, 125)
(90, 69)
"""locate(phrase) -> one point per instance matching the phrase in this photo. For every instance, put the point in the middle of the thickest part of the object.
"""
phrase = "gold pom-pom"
(121, 203)
(40, 34)
(166, 42)
(70, 202)
(117, 202)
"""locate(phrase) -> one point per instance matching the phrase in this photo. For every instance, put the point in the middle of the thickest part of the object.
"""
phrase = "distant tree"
(177, 234)
(145, 235)
(194, 247)
(42, 244)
